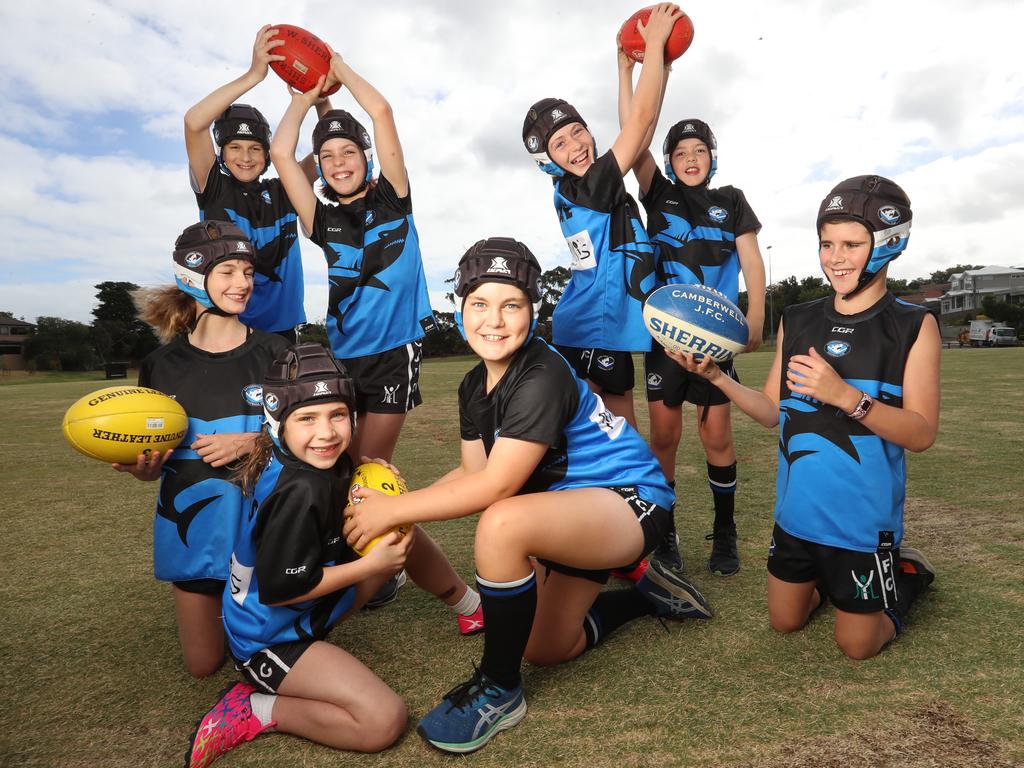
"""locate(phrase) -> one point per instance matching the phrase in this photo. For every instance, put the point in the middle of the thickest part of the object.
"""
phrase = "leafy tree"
(118, 334)
(314, 333)
(446, 340)
(943, 275)
(60, 345)
(1011, 314)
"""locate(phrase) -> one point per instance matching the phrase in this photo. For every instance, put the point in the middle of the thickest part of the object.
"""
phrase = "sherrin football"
(306, 58)
(116, 424)
(379, 478)
(633, 44)
(696, 319)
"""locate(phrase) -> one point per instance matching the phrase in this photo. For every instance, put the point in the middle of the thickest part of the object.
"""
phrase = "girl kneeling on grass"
(211, 363)
(556, 477)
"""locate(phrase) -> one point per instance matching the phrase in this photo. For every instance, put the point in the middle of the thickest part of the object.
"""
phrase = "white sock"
(263, 707)
(469, 603)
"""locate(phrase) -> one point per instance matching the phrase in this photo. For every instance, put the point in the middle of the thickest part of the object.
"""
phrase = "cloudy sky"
(799, 93)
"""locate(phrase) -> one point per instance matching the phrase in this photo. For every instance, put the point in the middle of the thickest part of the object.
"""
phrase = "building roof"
(8, 319)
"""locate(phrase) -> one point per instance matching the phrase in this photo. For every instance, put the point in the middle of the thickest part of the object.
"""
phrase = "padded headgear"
(242, 121)
(339, 124)
(882, 207)
(200, 248)
(499, 260)
(543, 119)
(689, 129)
(305, 374)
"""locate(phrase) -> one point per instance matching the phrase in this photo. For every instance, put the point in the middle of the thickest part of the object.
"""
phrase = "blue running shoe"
(673, 596)
(471, 714)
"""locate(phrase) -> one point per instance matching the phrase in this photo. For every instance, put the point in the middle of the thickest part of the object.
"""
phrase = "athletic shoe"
(667, 553)
(724, 560)
(229, 723)
(634, 575)
(473, 623)
(672, 596)
(471, 714)
(388, 592)
(914, 562)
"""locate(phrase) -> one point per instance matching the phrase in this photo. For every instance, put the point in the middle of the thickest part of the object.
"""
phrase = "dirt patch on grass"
(934, 736)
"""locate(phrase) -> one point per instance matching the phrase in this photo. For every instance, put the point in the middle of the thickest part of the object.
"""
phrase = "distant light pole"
(771, 303)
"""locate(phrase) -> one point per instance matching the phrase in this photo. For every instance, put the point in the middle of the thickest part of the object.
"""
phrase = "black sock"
(508, 615)
(723, 488)
(613, 609)
(672, 525)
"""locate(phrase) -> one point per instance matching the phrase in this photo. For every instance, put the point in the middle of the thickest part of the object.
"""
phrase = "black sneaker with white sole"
(672, 596)
(725, 558)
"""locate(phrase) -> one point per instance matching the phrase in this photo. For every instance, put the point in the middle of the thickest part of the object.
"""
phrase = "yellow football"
(116, 424)
(380, 478)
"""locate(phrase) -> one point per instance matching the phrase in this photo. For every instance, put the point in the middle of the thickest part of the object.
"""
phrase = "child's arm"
(224, 447)
(385, 132)
(645, 165)
(476, 487)
(198, 143)
(752, 266)
(282, 155)
(147, 466)
(915, 425)
(643, 111)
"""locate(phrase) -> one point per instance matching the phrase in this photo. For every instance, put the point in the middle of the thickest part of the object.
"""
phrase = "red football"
(306, 58)
(633, 45)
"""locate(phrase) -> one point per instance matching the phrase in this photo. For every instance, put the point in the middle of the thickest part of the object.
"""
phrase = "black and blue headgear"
(339, 124)
(305, 374)
(241, 121)
(542, 120)
(882, 207)
(689, 129)
(499, 260)
(200, 248)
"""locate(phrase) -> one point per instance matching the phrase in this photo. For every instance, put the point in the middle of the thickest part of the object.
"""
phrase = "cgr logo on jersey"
(717, 214)
(605, 362)
(253, 394)
(194, 259)
(500, 266)
(266, 197)
(244, 128)
(889, 214)
(295, 571)
(835, 204)
(271, 402)
(533, 143)
(654, 381)
(837, 348)
(320, 389)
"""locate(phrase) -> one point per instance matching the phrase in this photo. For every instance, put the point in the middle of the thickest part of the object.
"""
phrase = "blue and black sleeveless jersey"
(612, 262)
(541, 400)
(838, 483)
(197, 508)
(262, 210)
(290, 530)
(378, 294)
(694, 231)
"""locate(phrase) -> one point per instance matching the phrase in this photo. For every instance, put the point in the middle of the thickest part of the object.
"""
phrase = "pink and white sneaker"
(229, 723)
(473, 623)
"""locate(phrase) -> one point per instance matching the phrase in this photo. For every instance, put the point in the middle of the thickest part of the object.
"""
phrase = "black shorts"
(388, 382)
(201, 586)
(857, 582)
(670, 383)
(611, 371)
(267, 669)
(655, 521)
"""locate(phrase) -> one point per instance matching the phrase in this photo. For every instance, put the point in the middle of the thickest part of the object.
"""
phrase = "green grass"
(92, 674)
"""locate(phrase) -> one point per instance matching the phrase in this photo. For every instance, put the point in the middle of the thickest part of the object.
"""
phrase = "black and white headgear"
(689, 129)
(882, 207)
(242, 121)
(339, 124)
(200, 248)
(542, 120)
(305, 374)
(499, 260)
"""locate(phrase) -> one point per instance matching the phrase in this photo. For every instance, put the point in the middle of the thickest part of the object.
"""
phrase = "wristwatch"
(858, 413)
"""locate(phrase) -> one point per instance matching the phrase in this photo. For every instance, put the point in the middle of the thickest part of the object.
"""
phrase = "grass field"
(92, 675)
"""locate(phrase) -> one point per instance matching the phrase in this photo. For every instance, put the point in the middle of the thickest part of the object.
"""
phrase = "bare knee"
(200, 666)
(857, 649)
(547, 657)
(786, 624)
(382, 726)
(497, 523)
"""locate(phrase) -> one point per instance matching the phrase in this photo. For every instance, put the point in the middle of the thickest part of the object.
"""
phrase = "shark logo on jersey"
(319, 617)
(266, 197)
(809, 417)
(837, 348)
(182, 510)
(717, 214)
(253, 394)
(272, 243)
(320, 389)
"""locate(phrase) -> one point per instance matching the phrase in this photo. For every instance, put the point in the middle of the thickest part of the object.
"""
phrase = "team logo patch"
(320, 389)
(241, 245)
(333, 126)
(391, 394)
(266, 197)
(557, 114)
(654, 381)
(837, 348)
(194, 259)
(889, 214)
(244, 128)
(605, 362)
(253, 394)
(499, 265)
(717, 214)
(835, 204)
(366, 138)
(533, 143)
(370, 216)
(271, 402)
(689, 128)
